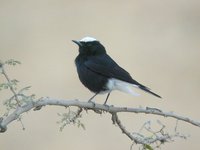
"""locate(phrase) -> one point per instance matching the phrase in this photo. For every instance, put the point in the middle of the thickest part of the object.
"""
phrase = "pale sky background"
(157, 42)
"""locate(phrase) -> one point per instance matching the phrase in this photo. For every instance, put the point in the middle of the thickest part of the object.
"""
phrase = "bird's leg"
(90, 100)
(107, 98)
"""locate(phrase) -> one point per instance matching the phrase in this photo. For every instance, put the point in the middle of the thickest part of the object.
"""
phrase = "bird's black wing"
(106, 66)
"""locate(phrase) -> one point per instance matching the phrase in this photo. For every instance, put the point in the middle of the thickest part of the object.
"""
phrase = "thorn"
(37, 108)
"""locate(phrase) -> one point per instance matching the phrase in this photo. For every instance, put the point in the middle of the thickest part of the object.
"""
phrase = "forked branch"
(88, 105)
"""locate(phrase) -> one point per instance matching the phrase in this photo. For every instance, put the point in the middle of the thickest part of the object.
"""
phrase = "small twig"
(77, 114)
(20, 120)
(131, 147)
(71, 117)
(116, 120)
(176, 126)
(10, 86)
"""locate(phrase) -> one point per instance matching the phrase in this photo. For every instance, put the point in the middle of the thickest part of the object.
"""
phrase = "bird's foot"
(107, 106)
(90, 101)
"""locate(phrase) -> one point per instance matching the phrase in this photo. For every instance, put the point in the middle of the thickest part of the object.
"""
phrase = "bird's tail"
(123, 86)
(146, 89)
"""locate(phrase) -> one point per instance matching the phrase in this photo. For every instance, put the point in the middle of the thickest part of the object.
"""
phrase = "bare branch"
(87, 105)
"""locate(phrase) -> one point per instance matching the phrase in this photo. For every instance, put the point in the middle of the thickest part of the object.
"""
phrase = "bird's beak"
(77, 42)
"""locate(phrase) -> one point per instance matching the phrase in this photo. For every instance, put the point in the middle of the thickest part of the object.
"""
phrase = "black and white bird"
(100, 73)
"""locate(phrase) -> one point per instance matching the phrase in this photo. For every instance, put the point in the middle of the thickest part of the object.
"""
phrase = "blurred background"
(158, 42)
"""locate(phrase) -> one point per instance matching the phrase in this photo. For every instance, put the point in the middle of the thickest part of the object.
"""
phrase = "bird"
(100, 73)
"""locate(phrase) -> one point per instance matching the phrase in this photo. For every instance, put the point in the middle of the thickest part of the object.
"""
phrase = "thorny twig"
(9, 84)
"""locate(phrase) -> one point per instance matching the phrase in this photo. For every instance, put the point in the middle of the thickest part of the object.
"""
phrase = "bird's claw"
(90, 101)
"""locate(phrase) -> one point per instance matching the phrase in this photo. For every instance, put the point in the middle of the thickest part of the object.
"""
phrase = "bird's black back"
(103, 66)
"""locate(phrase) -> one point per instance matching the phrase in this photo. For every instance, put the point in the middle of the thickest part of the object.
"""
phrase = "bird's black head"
(90, 46)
